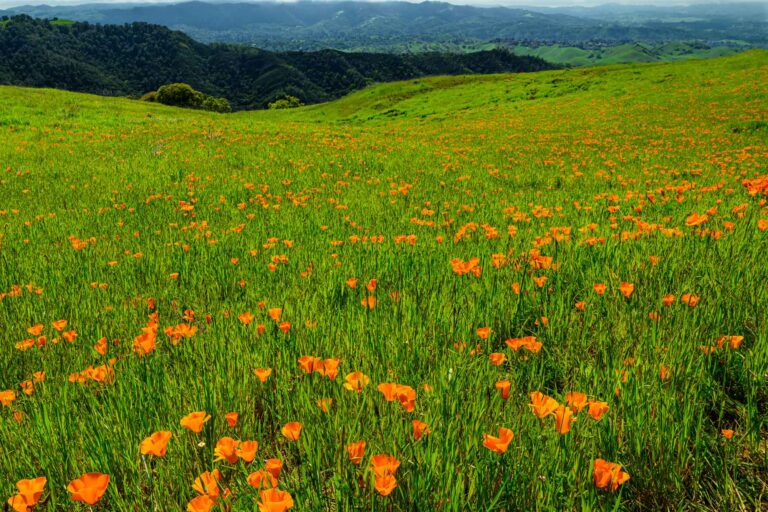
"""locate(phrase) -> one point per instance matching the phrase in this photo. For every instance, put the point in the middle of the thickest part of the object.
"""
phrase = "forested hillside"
(130, 60)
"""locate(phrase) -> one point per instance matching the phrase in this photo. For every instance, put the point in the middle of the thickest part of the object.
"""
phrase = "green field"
(620, 223)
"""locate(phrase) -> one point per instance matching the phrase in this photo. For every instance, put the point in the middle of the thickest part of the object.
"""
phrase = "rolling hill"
(136, 58)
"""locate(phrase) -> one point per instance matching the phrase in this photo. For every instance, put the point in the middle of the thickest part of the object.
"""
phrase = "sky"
(530, 3)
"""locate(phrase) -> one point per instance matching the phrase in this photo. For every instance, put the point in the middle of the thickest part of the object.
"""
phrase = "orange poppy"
(608, 474)
(599, 288)
(498, 444)
(497, 358)
(156, 444)
(200, 504)
(101, 346)
(695, 219)
(324, 404)
(383, 464)
(7, 396)
(563, 419)
(597, 409)
(352, 282)
(484, 332)
(245, 317)
(35, 330)
(89, 488)
(261, 478)
(727, 433)
(384, 484)
(503, 387)
(668, 300)
(285, 327)
(356, 381)
(626, 289)
(194, 421)
(231, 418)
(371, 286)
(576, 401)
(207, 484)
(246, 450)
(356, 451)
(274, 466)
(292, 430)
(274, 500)
(369, 302)
(262, 374)
(59, 325)
(542, 405)
(329, 368)
(275, 313)
(226, 449)
(308, 364)
(29, 494)
(419, 429)
(389, 390)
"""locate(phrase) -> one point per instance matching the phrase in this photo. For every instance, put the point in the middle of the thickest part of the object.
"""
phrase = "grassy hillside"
(596, 235)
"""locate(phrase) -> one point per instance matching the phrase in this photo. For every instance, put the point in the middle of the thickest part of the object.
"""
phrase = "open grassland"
(597, 235)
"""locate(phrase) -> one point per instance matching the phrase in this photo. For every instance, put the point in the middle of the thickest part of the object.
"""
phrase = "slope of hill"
(385, 25)
(537, 291)
(137, 58)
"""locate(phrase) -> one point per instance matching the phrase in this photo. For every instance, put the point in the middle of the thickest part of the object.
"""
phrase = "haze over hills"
(136, 58)
(403, 26)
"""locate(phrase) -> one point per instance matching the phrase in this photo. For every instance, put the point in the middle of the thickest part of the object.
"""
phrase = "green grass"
(625, 53)
(597, 168)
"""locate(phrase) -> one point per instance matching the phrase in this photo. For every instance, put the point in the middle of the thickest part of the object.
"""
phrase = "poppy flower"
(207, 484)
(389, 390)
(245, 317)
(626, 289)
(695, 219)
(246, 450)
(59, 325)
(384, 484)
(273, 467)
(7, 396)
(542, 405)
(503, 387)
(261, 479)
(274, 500)
(262, 374)
(383, 464)
(285, 327)
(309, 364)
(356, 451)
(484, 332)
(275, 313)
(497, 358)
(89, 488)
(352, 282)
(608, 474)
(29, 494)
(194, 421)
(576, 401)
(371, 286)
(668, 300)
(563, 419)
(35, 330)
(231, 418)
(292, 430)
(597, 409)
(419, 429)
(201, 504)
(226, 449)
(599, 288)
(369, 302)
(498, 444)
(356, 381)
(329, 368)
(727, 433)
(156, 444)
(101, 346)
(324, 404)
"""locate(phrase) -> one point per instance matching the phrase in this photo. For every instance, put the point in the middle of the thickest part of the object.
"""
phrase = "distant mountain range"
(395, 26)
(132, 59)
